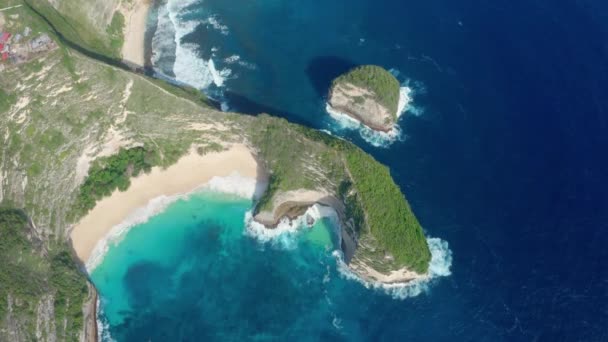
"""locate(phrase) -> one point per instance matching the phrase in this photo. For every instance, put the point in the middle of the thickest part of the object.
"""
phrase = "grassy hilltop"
(376, 79)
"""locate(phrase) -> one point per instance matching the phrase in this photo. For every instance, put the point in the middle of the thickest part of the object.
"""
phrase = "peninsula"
(83, 133)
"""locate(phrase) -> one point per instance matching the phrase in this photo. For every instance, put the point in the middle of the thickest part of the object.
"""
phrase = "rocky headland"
(368, 94)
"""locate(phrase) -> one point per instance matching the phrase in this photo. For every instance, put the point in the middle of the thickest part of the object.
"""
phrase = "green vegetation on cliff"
(295, 160)
(64, 108)
(39, 284)
(376, 79)
(378, 207)
(112, 173)
(387, 213)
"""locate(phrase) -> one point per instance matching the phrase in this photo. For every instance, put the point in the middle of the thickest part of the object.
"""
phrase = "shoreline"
(134, 32)
(374, 137)
(189, 173)
(294, 203)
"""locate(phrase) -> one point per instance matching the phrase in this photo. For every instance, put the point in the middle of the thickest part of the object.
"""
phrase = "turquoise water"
(193, 271)
(506, 160)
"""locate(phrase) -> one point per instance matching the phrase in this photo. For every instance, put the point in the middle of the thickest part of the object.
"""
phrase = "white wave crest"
(284, 234)
(117, 233)
(214, 22)
(232, 59)
(235, 184)
(405, 100)
(188, 67)
(440, 266)
(103, 327)
(163, 41)
(408, 90)
(375, 138)
(247, 65)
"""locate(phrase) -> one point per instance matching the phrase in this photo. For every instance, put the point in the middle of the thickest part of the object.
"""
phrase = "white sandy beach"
(189, 173)
(134, 32)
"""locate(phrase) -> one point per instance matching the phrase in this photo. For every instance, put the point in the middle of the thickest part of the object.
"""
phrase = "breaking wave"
(235, 184)
(284, 235)
(407, 92)
(440, 266)
(103, 326)
(188, 65)
(375, 138)
(214, 22)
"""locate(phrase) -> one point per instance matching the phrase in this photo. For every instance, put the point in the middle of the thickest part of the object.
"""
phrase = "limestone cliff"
(368, 94)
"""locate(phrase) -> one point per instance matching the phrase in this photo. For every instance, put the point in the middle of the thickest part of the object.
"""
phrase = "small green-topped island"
(368, 94)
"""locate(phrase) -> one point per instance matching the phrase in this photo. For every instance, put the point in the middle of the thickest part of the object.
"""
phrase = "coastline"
(374, 137)
(378, 137)
(293, 204)
(187, 174)
(136, 14)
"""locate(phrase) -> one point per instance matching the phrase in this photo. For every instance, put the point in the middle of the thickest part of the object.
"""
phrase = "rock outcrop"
(368, 94)
(358, 249)
(293, 204)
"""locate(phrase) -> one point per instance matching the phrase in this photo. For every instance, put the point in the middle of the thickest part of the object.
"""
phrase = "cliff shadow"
(323, 70)
(244, 105)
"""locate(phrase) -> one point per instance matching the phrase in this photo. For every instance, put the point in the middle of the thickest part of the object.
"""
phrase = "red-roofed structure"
(4, 37)
(1, 46)
(4, 56)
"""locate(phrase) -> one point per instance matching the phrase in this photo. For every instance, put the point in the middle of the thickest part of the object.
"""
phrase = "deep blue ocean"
(503, 153)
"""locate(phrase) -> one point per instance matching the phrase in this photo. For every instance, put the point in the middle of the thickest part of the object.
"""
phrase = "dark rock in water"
(310, 220)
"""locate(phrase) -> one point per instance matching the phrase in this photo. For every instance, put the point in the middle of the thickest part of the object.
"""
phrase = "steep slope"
(368, 94)
(42, 293)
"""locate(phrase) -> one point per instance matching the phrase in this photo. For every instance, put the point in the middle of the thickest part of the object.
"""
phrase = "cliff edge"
(368, 94)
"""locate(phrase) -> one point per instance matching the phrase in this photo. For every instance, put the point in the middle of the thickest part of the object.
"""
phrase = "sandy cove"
(190, 172)
(136, 14)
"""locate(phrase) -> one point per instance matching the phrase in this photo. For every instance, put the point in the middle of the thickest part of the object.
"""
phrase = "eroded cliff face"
(89, 310)
(361, 104)
(293, 204)
(365, 257)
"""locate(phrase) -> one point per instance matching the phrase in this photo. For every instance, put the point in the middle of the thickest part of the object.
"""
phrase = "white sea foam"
(103, 327)
(375, 138)
(163, 42)
(188, 67)
(284, 234)
(337, 323)
(117, 233)
(232, 59)
(247, 65)
(440, 266)
(407, 92)
(405, 100)
(214, 22)
(236, 184)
